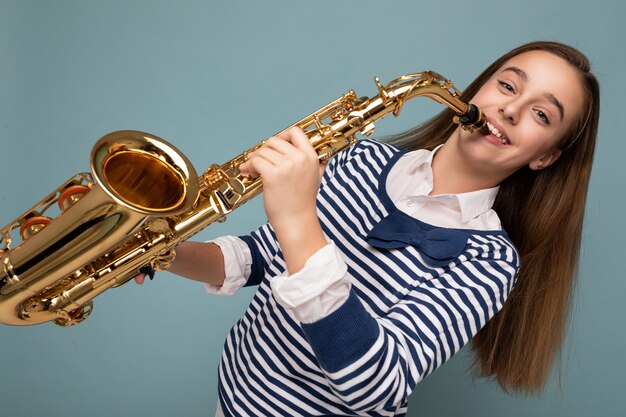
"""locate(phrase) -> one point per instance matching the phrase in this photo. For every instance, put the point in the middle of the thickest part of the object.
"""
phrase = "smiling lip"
(495, 133)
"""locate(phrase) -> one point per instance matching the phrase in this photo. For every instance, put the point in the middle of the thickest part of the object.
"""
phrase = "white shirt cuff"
(237, 265)
(318, 289)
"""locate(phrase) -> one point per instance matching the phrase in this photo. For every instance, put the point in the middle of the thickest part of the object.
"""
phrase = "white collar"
(418, 164)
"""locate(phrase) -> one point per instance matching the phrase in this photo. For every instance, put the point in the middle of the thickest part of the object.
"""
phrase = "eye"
(506, 86)
(544, 117)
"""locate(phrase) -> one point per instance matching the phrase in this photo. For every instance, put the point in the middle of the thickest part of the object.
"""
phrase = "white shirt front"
(322, 285)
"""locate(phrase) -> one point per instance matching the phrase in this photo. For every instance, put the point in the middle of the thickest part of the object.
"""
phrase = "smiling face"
(531, 102)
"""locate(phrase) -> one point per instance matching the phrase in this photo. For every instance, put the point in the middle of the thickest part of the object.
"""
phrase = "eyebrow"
(551, 98)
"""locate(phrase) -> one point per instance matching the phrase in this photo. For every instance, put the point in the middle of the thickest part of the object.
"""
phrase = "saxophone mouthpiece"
(471, 119)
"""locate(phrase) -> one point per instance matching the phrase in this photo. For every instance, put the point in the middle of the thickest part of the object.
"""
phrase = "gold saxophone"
(144, 197)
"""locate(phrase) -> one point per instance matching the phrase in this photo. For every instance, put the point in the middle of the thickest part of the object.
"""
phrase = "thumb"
(139, 279)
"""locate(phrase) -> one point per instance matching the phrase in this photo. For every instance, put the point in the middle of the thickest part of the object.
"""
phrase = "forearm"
(199, 261)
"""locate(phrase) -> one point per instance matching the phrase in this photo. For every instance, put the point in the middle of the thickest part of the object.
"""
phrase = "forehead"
(551, 74)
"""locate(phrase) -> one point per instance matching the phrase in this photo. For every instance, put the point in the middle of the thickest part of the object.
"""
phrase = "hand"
(291, 174)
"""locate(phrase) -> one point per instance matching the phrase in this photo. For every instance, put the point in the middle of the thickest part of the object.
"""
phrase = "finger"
(258, 167)
(274, 143)
(139, 279)
(282, 145)
(293, 131)
(272, 153)
(303, 156)
(246, 169)
(296, 136)
(269, 155)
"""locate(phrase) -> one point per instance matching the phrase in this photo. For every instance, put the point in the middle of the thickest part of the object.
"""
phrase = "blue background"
(215, 78)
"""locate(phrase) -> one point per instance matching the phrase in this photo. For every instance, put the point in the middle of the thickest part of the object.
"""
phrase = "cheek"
(487, 93)
(537, 141)
(482, 97)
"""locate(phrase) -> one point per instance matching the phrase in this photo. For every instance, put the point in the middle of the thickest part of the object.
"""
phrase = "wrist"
(299, 238)
(296, 224)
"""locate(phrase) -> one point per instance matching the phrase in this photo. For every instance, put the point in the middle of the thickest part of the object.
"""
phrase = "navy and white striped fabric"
(404, 317)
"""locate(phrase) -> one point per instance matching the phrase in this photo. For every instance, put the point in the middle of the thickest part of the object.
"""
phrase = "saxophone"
(143, 197)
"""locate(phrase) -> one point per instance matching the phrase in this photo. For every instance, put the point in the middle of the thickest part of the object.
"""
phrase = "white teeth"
(497, 134)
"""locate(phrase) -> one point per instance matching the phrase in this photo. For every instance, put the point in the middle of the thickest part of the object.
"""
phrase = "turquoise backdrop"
(216, 77)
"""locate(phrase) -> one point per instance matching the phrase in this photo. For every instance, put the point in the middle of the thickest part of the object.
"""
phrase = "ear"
(545, 160)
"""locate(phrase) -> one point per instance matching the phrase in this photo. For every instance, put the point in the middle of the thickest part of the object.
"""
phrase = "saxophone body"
(143, 197)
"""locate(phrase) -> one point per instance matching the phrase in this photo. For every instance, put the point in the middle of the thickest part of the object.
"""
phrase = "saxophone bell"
(105, 225)
(144, 173)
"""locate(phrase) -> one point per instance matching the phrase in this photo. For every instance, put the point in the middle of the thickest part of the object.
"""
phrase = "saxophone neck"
(435, 86)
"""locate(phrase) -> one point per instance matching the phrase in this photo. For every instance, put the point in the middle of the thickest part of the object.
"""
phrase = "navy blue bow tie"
(438, 246)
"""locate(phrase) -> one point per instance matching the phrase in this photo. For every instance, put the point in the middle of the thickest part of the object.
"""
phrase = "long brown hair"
(542, 211)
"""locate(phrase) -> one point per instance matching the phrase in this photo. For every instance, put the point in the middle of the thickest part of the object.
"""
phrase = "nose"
(510, 111)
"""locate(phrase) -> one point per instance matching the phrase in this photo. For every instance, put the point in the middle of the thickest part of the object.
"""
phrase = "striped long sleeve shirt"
(419, 293)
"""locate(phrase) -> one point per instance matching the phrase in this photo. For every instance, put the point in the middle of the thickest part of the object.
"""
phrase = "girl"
(376, 272)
